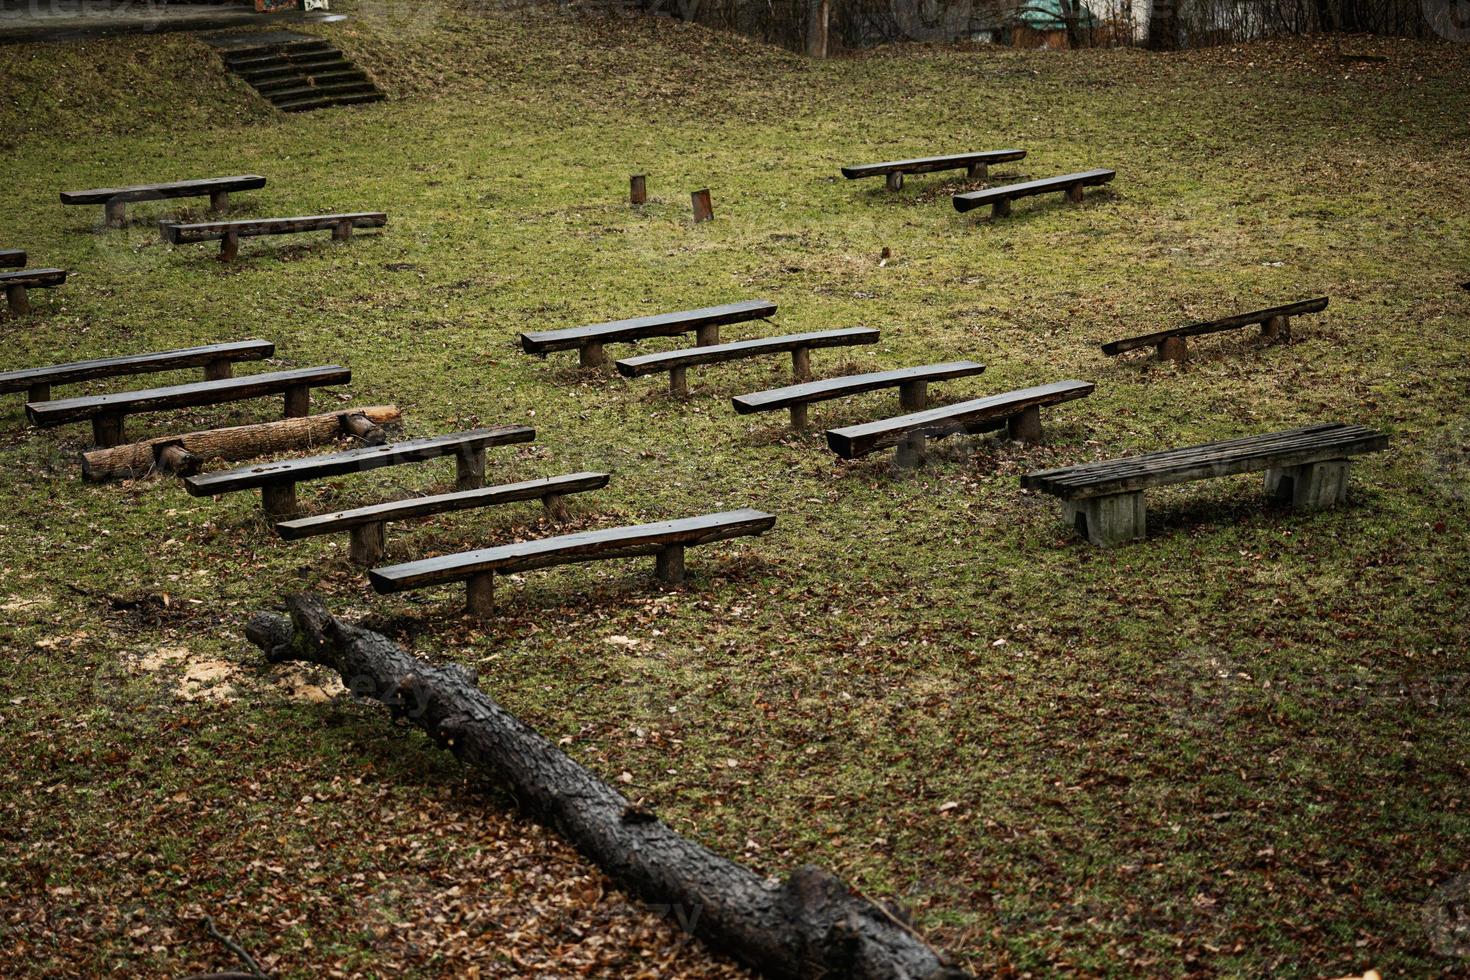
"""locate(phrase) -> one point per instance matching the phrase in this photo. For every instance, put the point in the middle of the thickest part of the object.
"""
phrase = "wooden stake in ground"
(811, 925)
(703, 209)
(638, 189)
(184, 454)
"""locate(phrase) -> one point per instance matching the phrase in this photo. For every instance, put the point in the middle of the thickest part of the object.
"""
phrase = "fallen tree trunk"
(183, 454)
(811, 925)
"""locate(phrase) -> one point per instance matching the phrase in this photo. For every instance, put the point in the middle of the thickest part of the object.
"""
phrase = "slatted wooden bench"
(665, 539)
(107, 412)
(1017, 411)
(114, 200)
(1000, 198)
(16, 283)
(229, 233)
(800, 345)
(1275, 324)
(912, 384)
(977, 164)
(12, 258)
(1307, 467)
(366, 524)
(277, 481)
(216, 359)
(589, 340)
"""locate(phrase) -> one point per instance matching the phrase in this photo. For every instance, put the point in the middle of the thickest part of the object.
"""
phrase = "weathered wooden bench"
(976, 164)
(589, 340)
(16, 283)
(678, 362)
(1275, 326)
(366, 524)
(229, 233)
(216, 359)
(912, 384)
(477, 569)
(12, 258)
(107, 412)
(1017, 411)
(114, 200)
(277, 481)
(1000, 198)
(1307, 467)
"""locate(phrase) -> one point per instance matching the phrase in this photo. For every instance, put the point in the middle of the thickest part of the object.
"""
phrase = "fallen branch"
(811, 925)
(183, 454)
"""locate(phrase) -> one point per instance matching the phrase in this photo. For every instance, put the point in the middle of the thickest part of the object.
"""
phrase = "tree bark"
(818, 18)
(138, 459)
(811, 925)
(1163, 25)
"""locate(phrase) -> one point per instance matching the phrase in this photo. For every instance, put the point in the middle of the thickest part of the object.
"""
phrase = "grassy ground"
(1238, 748)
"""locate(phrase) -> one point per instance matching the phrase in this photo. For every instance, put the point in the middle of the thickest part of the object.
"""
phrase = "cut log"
(811, 925)
(138, 459)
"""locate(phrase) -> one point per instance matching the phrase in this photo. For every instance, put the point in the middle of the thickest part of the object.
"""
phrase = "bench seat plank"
(852, 384)
(1292, 447)
(177, 188)
(398, 510)
(854, 441)
(634, 367)
(993, 195)
(106, 367)
(925, 165)
(1215, 326)
(208, 231)
(355, 460)
(65, 410)
(636, 328)
(12, 258)
(32, 278)
(621, 542)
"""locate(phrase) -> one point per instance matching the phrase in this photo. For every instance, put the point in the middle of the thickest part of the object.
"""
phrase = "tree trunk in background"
(1163, 25)
(818, 13)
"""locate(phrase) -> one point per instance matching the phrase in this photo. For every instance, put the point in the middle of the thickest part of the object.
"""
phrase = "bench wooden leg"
(590, 355)
(679, 381)
(1025, 426)
(341, 231)
(895, 181)
(798, 416)
(703, 209)
(638, 188)
(707, 335)
(670, 565)
(217, 370)
(910, 451)
(38, 393)
(978, 170)
(1315, 486)
(1001, 209)
(1108, 521)
(229, 246)
(107, 430)
(469, 469)
(479, 595)
(913, 396)
(115, 213)
(1074, 193)
(1174, 349)
(1276, 329)
(801, 364)
(556, 506)
(278, 500)
(298, 401)
(369, 541)
(219, 200)
(18, 300)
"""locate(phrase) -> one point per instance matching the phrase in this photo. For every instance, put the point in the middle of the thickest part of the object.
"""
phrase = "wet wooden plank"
(106, 367)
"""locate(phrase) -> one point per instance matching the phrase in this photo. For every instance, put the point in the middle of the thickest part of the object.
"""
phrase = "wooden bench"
(107, 412)
(1000, 198)
(229, 233)
(277, 481)
(589, 340)
(1275, 326)
(366, 524)
(678, 362)
(977, 165)
(477, 569)
(1017, 411)
(114, 200)
(912, 384)
(216, 359)
(16, 283)
(12, 258)
(1307, 467)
